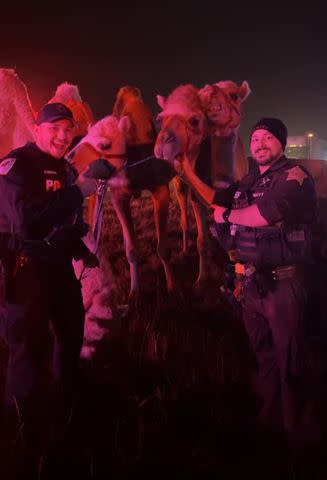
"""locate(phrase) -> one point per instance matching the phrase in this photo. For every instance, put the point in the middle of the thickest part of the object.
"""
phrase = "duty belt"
(277, 273)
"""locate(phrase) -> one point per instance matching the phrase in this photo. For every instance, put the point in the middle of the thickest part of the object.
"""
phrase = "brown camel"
(194, 125)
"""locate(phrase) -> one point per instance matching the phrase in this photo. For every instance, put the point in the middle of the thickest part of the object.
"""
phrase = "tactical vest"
(268, 246)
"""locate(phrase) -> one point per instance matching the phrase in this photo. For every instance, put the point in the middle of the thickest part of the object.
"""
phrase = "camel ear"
(244, 91)
(124, 124)
(206, 89)
(161, 101)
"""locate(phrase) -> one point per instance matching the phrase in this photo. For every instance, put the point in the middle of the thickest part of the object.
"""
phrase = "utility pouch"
(229, 277)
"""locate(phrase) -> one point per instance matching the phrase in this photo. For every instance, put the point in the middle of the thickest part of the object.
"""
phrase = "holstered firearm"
(12, 262)
(7, 272)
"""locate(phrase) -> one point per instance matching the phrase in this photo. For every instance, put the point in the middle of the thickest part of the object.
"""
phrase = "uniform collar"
(44, 155)
(276, 166)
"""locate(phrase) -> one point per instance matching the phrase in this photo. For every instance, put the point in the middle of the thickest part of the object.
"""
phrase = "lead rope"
(97, 217)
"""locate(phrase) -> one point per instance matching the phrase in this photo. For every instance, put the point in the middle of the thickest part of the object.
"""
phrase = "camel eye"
(233, 96)
(194, 122)
(158, 122)
(104, 146)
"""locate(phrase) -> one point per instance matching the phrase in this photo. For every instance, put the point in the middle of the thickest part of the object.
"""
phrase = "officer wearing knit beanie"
(273, 125)
(266, 223)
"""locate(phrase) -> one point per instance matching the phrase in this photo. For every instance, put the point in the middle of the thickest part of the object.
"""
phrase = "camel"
(225, 118)
(184, 127)
(191, 119)
(107, 138)
(129, 102)
(144, 172)
(17, 116)
(69, 95)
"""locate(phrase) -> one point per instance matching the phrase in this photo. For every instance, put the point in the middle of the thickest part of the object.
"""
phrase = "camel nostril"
(169, 137)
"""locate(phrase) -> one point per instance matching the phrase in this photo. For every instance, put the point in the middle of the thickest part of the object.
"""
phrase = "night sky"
(280, 52)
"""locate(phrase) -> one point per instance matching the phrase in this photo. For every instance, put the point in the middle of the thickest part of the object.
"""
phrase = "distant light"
(310, 135)
(292, 146)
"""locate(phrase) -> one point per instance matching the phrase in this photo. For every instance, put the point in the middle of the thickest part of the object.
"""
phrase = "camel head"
(129, 102)
(7, 73)
(222, 102)
(125, 96)
(127, 92)
(105, 139)
(17, 116)
(66, 92)
(183, 123)
(69, 95)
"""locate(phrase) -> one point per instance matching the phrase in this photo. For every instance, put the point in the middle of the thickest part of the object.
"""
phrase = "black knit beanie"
(274, 126)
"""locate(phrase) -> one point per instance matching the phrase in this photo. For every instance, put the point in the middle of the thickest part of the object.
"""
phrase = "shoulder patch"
(6, 165)
(297, 174)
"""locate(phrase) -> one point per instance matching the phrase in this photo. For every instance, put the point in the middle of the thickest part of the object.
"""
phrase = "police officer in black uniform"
(267, 223)
(41, 313)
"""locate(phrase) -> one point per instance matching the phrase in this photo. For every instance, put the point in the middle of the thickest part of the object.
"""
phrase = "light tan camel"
(108, 139)
(17, 116)
(105, 139)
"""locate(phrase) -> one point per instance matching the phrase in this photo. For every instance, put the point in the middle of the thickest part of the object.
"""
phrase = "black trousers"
(42, 323)
(286, 380)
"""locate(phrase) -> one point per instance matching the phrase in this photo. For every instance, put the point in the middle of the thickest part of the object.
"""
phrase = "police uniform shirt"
(285, 196)
(284, 193)
(36, 193)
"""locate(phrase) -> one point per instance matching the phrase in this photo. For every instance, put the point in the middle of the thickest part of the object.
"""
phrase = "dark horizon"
(280, 52)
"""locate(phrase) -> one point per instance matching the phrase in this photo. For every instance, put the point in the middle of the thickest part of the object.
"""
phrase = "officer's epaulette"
(6, 165)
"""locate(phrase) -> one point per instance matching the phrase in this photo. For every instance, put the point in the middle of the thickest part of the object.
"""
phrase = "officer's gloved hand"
(86, 185)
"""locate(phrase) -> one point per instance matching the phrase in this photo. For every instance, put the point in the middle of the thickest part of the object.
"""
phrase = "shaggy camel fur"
(17, 116)
(69, 95)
